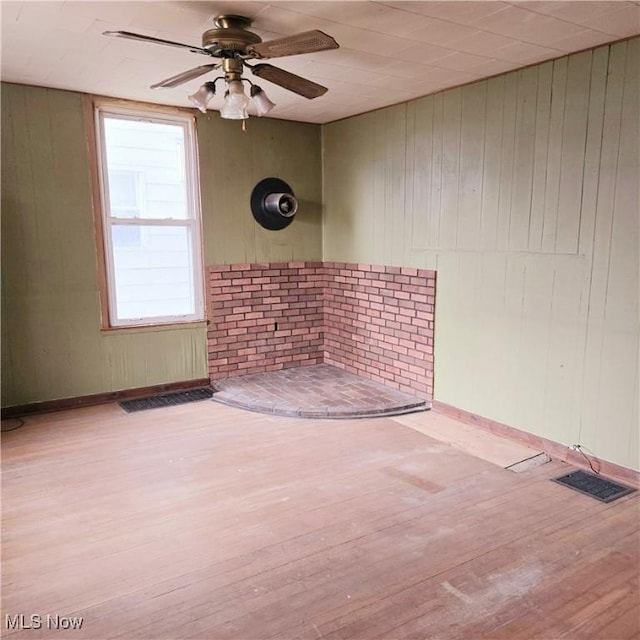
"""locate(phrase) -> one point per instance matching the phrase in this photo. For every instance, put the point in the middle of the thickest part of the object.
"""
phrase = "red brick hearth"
(374, 321)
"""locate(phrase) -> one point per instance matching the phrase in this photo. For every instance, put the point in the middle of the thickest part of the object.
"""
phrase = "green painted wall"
(522, 192)
(232, 162)
(52, 345)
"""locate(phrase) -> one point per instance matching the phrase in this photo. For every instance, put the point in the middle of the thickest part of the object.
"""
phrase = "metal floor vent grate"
(594, 486)
(167, 400)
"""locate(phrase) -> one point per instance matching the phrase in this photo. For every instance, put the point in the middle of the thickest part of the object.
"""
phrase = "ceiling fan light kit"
(235, 100)
(234, 44)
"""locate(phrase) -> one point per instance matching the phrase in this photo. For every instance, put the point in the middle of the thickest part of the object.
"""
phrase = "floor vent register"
(166, 400)
(594, 486)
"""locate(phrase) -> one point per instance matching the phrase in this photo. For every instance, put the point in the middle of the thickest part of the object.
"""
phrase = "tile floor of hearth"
(316, 391)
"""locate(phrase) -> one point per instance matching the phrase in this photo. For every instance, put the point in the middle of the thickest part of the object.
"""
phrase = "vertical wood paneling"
(408, 183)
(220, 189)
(541, 154)
(491, 158)
(471, 165)
(377, 214)
(554, 155)
(65, 170)
(466, 340)
(524, 143)
(437, 169)
(515, 280)
(621, 312)
(232, 161)
(452, 113)
(634, 434)
(596, 368)
(359, 189)
(593, 149)
(420, 155)
(12, 235)
(22, 195)
(394, 203)
(574, 133)
(49, 277)
(625, 258)
(38, 142)
(561, 401)
(448, 300)
(534, 352)
(507, 157)
(528, 209)
(488, 313)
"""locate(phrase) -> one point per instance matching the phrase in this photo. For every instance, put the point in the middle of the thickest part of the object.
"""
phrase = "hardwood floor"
(203, 521)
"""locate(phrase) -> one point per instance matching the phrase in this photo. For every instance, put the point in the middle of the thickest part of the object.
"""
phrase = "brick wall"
(371, 320)
(379, 322)
(264, 317)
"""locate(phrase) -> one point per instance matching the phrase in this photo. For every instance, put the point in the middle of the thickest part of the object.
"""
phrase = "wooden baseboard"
(550, 447)
(49, 406)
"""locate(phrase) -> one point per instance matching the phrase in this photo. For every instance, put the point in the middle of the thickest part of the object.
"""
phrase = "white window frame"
(193, 222)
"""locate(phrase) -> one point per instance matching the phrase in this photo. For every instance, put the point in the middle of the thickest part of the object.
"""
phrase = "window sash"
(192, 223)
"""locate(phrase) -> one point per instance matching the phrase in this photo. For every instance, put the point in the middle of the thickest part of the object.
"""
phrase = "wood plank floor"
(204, 521)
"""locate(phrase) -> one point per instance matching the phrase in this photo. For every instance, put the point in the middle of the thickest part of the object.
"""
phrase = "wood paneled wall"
(521, 191)
(52, 344)
(232, 162)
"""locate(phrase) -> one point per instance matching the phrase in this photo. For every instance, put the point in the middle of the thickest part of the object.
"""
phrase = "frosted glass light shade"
(201, 98)
(260, 99)
(235, 102)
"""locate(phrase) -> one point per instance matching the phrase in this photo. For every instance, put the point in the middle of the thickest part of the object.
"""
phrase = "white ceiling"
(389, 51)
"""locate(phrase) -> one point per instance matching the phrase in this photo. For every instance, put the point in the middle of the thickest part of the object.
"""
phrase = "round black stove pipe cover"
(273, 204)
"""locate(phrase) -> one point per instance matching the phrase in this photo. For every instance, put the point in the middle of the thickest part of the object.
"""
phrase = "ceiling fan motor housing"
(230, 34)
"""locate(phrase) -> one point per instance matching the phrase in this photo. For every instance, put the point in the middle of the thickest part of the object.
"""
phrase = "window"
(150, 217)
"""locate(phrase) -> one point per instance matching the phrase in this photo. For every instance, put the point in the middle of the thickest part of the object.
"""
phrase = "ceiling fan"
(235, 46)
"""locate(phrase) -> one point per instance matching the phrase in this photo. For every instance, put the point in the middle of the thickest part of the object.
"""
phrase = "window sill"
(152, 328)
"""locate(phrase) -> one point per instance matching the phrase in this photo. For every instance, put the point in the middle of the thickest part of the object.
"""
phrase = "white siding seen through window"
(151, 217)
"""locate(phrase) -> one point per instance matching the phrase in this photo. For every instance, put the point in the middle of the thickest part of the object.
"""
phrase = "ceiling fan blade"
(185, 76)
(288, 80)
(137, 36)
(306, 42)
